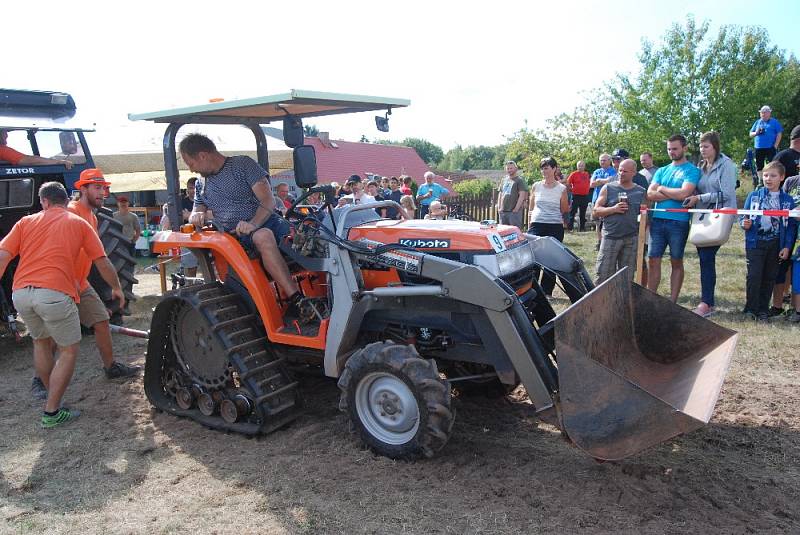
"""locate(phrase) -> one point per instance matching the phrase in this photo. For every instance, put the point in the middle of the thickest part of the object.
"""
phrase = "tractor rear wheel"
(117, 248)
(396, 401)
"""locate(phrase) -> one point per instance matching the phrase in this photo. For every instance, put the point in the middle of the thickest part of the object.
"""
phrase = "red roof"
(340, 159)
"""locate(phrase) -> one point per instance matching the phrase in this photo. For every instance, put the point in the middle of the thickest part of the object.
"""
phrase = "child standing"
(768, 240)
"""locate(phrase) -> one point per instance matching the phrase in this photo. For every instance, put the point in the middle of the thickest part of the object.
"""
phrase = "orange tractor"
(402, 312)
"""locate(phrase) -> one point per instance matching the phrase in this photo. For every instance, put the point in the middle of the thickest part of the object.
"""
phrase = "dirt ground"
(122, 468)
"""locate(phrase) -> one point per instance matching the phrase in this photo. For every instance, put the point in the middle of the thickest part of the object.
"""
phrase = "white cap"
(765, 108)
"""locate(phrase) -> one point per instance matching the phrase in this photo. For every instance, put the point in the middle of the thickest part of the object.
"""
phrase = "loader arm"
(615, 387)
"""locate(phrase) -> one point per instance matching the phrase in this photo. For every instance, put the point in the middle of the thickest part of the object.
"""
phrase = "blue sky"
(474, 71)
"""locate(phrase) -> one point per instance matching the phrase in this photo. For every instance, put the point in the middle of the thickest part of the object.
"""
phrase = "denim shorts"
(670, 232)
(277, 224)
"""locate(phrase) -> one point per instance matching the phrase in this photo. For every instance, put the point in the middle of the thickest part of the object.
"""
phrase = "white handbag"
(710, 230)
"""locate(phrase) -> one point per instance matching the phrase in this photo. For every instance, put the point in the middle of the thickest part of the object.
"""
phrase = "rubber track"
(116, 246)
(261, 372)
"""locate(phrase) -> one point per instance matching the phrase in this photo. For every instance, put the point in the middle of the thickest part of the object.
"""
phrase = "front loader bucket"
(635, 369)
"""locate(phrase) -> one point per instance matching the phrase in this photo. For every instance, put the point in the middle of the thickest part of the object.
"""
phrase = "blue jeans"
(277, 224)
(670, 232)
(708, 273)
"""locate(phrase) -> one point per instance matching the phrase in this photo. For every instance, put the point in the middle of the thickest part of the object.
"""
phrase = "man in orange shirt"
(44, 289)
(578, 183)
(91, 310)
(7, 154)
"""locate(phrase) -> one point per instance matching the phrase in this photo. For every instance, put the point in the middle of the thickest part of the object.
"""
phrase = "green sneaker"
(62, 417)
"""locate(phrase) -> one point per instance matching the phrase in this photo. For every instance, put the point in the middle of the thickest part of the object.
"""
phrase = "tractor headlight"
(515, 259)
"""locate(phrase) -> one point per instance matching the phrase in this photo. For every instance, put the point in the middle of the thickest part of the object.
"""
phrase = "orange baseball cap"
(91, 176)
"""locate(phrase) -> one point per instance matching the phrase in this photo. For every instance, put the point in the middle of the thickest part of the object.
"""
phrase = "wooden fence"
(480, 207)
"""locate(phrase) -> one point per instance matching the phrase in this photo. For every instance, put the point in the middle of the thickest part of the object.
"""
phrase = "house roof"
(337, 160)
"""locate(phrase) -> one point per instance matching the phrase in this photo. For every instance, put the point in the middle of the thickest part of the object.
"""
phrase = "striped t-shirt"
(229, 193)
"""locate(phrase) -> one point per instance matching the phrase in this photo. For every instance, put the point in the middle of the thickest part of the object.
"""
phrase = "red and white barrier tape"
(729, 211)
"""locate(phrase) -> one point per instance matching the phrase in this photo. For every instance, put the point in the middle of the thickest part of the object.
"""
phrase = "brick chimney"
(325, 138)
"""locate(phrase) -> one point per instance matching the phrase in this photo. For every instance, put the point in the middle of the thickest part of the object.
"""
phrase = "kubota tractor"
(402, 312)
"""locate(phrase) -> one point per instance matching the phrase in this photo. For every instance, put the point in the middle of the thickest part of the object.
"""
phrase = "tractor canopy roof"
(296, 103)
(39, 110)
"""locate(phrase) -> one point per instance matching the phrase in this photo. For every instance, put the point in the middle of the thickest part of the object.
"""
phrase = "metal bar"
(486, 375)
(640, 248)
(172, 176)
(116, 329)
(405, 291)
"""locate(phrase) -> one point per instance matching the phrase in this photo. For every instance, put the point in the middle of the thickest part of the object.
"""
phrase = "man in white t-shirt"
(357, 196)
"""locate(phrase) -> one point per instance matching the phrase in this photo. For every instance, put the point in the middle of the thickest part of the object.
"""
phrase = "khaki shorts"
(91, 309)
(48, 314)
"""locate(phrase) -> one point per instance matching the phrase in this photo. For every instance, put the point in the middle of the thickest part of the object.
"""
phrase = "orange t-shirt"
(7, 154)
(580, 182)
(82, 264)
(48, 243)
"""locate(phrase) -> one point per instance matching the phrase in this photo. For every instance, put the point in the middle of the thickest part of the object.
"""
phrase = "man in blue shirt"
(669, 188)
(428, 192)
(766, 133)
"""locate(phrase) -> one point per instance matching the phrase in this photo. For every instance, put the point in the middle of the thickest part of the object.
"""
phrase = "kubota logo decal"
(425, 243)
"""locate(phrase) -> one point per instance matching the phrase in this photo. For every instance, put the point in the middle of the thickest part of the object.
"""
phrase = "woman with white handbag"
(716, 189)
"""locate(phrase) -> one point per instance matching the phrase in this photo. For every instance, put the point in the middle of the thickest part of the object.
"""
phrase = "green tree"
(474, 157)
(454, 160)
(692, 83)
(688, 83)
(476, 186)
(310, 130)
(430, 153)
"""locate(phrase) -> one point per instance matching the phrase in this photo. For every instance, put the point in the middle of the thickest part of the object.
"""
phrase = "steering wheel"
(292, 213)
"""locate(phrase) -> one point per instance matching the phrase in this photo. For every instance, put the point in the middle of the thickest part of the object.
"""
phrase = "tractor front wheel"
(396, 401)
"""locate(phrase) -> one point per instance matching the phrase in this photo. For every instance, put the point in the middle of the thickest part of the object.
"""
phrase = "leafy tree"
(476, 186)
(430, 153)
(688, 83)
(691, 84)
(454, 160)
(363, 139)
(474, 157)
(310, 130)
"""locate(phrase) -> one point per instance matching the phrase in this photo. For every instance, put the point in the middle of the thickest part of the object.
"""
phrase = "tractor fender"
(230, 255)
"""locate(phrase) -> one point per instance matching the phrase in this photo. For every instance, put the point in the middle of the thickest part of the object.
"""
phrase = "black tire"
(577, 285)
(409, 389)
(117, 248)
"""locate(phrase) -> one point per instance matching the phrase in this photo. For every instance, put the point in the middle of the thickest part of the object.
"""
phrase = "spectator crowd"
(618, 190)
